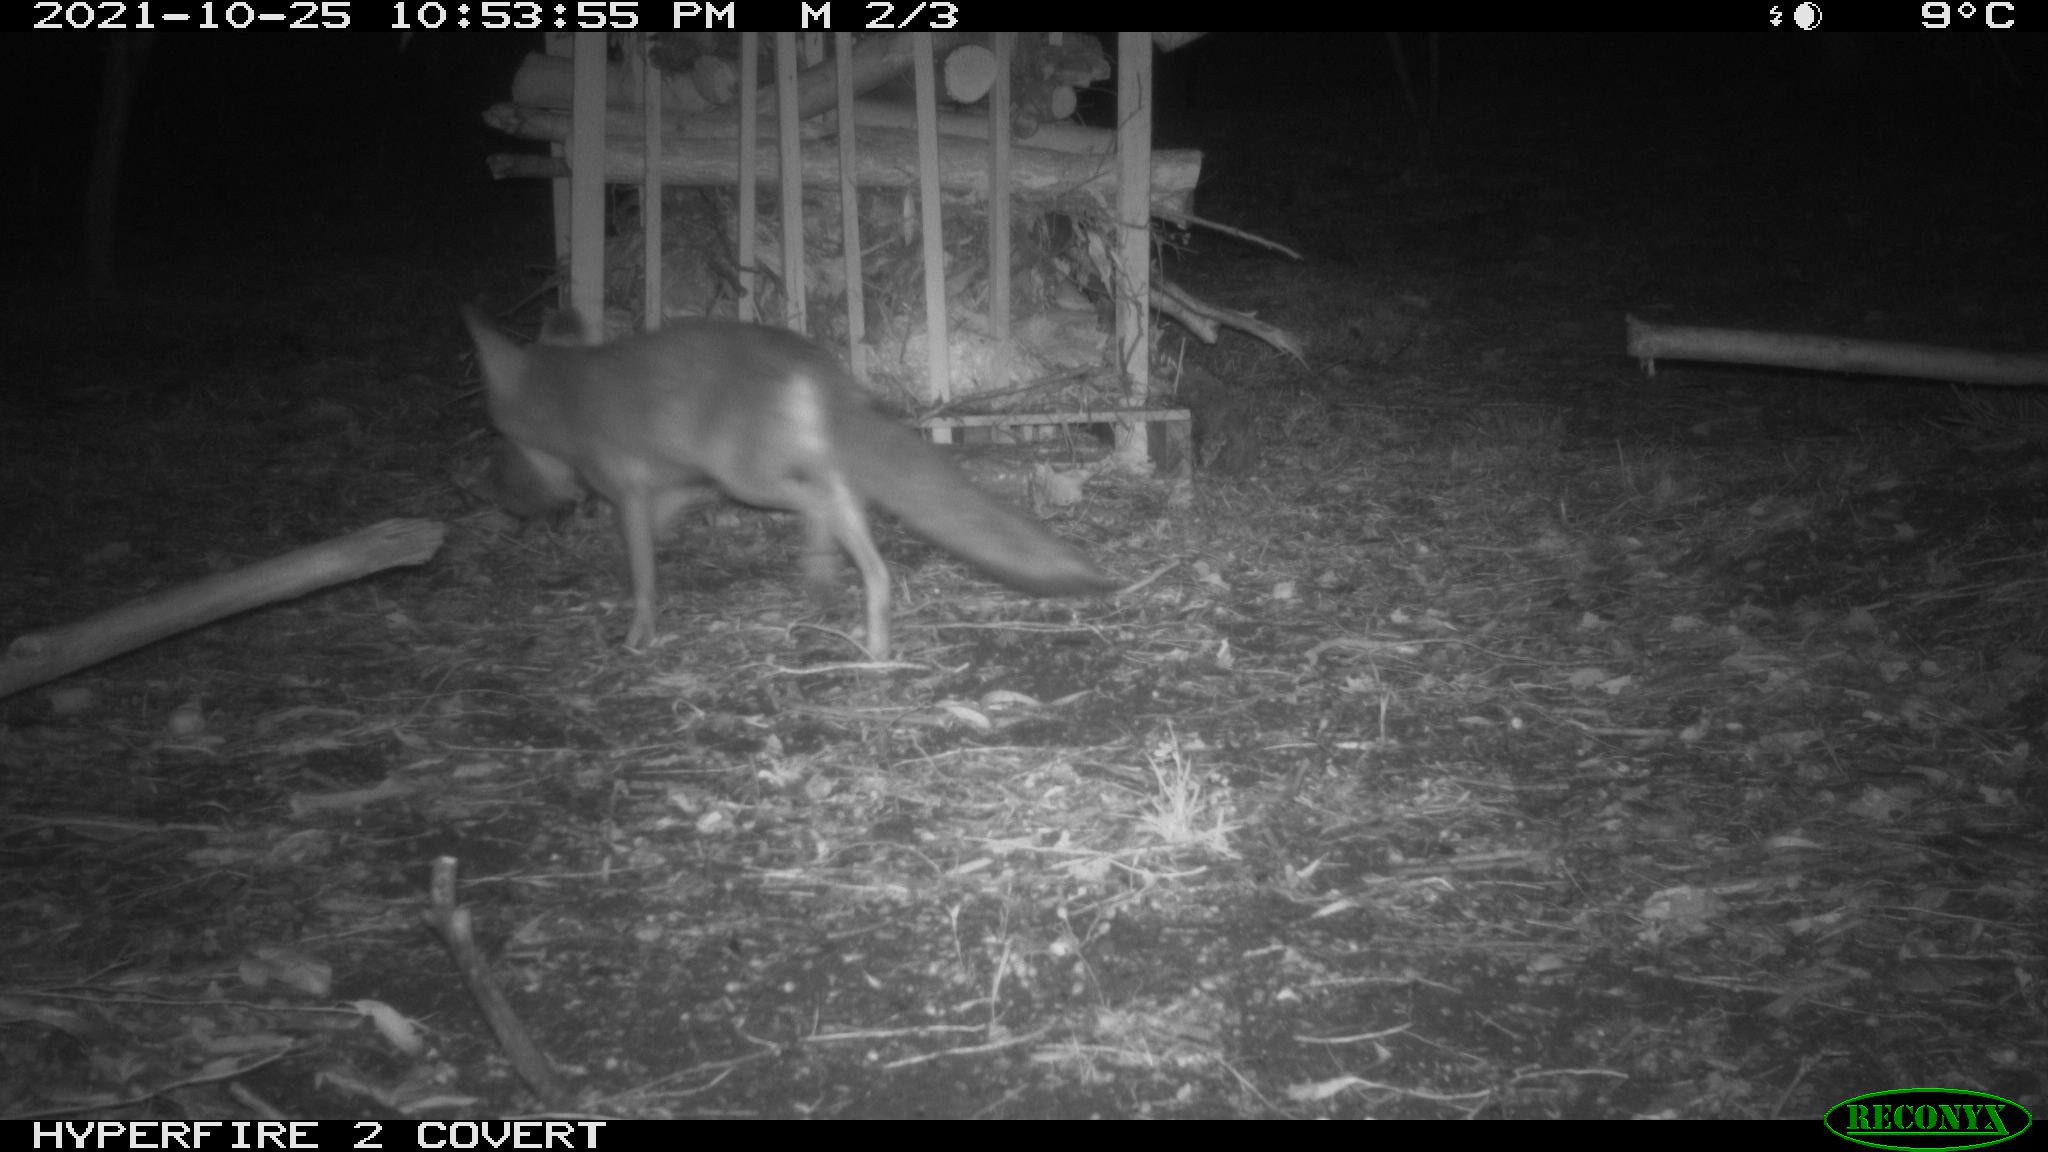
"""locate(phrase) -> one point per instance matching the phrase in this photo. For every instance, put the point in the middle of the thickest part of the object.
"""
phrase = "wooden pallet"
(1142, 435)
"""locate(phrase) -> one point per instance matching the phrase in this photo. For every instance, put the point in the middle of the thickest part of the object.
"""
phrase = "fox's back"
(699, 397)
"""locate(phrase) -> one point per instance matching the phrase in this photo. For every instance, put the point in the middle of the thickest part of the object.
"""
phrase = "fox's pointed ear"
(500, 359)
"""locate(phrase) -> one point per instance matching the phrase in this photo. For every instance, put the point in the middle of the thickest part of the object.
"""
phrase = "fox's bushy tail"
(896, 469)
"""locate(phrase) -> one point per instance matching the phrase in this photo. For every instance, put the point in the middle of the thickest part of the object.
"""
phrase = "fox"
(661, 421)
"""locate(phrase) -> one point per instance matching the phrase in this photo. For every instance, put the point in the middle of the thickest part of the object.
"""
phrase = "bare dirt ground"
(1497, 732)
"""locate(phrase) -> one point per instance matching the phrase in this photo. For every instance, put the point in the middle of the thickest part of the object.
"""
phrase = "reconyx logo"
(1928, 1119)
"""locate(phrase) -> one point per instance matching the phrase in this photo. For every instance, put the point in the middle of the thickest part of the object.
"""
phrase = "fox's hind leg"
(833, 515)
